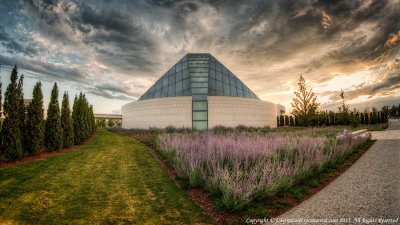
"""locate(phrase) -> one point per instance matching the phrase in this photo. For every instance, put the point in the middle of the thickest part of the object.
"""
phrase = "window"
(165, 81)
(178, 86)
(211, 83)
(198, 79)
(178, 67)
(171, 90)
(218, 85)
(218, 76)
(225, 78)
(212, 74)
(196, 85)
(186, 84)
(199, 91)
(171, 79)
(227, 89)
(199, 115)
(233, 91)
(185, 74)
(200, 105)
(179, 76)
(164, 92)
(200, 125)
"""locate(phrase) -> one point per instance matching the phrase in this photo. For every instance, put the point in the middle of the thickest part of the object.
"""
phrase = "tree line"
(24, 130)
(305, 112)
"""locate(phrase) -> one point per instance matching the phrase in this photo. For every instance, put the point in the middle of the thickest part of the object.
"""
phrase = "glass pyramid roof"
(199, 76)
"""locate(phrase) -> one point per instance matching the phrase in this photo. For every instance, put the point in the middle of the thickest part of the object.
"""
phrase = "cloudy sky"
(115, 50)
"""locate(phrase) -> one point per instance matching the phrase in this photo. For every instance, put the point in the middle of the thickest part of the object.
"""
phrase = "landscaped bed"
(255, 172)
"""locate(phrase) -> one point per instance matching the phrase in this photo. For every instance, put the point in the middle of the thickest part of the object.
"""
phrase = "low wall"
(159, 113)
(233, 111)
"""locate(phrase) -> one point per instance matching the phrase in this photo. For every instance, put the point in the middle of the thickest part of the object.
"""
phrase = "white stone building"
(198, 92)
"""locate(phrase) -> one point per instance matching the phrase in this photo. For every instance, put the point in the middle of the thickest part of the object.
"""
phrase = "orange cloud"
(326, 20)
(393, 38)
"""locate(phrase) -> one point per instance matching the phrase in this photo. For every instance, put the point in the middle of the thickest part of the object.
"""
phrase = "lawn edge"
(43, 154)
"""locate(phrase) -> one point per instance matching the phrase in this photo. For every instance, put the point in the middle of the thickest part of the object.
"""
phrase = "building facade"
(198, 92)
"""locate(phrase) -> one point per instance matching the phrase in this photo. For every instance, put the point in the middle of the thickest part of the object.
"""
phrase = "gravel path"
(368, 190)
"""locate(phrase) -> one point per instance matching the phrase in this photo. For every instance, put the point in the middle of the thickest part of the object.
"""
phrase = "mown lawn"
(112, 180)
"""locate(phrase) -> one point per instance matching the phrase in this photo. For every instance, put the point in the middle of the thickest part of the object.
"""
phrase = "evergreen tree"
(277, 121)
(77, 118)
(304, 104)
(374, 117)
(53, 137)
(35, 121)
(22, 115)
(291, 121)
(286, 120)
(66, 122)
(281, 120)
(92, 120)
(10, 133)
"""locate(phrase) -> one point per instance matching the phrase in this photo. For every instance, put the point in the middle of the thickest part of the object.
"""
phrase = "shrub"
(242, 166)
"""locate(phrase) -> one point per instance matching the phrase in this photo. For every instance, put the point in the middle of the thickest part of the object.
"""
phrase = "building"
(280, 109)
(106, 117)
(198, 92)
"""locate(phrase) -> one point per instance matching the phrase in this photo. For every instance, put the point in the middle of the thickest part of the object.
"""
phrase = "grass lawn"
(112, 180)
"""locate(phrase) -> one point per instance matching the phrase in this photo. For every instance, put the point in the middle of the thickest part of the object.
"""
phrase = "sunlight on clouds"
(361, 98)
(393, 38)
(343, 82)
(326, 20)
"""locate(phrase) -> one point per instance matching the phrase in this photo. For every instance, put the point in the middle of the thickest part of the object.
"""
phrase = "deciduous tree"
(304, 104)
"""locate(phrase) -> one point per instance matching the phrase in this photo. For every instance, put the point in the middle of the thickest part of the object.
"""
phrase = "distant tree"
(344, 114)
(286, 120)
(277, 121)
(304, 104)
(101, 123)
(119, 122)
(291, 121)
(66, 122)
(281, 120)
(354, 118)
(92, 120)
(77, 118)
(10, 133)
(53, 137)
(393, 111)
(374, 116)
(35, 121)
(110, 123)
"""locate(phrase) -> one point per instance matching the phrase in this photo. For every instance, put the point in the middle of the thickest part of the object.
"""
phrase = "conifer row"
(24, 130)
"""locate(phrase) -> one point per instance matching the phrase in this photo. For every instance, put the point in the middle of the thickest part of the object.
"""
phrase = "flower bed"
(241, 166)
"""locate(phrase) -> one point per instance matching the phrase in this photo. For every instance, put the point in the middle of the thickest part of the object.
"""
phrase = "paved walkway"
(368, 190)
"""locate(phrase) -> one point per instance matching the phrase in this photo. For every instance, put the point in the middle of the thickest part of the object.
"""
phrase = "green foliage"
(66, 122)
(291, 121)
(83, 119)
(281, 120)
(101, 123)
(10, 133)
(35, 122)
(374, 117)
(110, 123)
(102, 182)
(304, 104)
(53, 137)
(119, 123)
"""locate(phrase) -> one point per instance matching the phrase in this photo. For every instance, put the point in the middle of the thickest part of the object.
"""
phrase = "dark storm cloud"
(136, 41)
